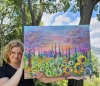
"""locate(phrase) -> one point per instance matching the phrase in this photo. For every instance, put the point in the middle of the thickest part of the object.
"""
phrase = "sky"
(69, 18)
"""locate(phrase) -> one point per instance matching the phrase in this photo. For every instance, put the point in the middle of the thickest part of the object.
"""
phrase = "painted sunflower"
(67, 70)
(82, 59)
(78, 68)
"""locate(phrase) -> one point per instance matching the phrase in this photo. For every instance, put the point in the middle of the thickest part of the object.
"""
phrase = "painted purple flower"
(88, 71)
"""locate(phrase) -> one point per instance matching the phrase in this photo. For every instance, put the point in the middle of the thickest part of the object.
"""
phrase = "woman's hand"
(74, 77)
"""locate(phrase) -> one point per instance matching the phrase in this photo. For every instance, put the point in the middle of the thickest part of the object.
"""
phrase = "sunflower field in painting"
(57, 51)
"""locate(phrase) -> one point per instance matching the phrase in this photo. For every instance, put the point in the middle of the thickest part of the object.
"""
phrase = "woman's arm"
(45, 79)
(14, 80)
(51, 79)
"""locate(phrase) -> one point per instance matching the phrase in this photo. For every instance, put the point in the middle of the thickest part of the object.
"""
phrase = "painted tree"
(35, 39)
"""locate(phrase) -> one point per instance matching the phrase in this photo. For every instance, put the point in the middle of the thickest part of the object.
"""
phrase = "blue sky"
(69, 18)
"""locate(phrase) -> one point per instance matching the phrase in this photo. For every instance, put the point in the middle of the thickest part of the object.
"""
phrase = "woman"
(12, 74)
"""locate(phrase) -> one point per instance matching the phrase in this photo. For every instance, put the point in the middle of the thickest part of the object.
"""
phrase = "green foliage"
(38, 83)
(98, 17)
(93, 82)
(60, 83)
(95, 64)
(52, 6)
(96, 7)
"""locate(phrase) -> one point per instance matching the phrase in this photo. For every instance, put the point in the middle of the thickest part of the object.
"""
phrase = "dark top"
(8, 71)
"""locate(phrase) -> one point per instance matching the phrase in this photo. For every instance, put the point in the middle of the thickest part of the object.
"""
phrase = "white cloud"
(95, 28)
(55, 20)
(47, 18)
(60, 19)
(95, 33)
(95, 24)
(95, 42)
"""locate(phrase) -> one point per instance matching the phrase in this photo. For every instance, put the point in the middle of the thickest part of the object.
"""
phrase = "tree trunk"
(41, 9)
(23, 16)
(32, 13)
(36, 20)
(23, 13)
(2, 39)
(86, 9)
(73, 82)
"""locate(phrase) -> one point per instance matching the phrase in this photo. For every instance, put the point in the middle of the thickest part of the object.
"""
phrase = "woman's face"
(15, 55)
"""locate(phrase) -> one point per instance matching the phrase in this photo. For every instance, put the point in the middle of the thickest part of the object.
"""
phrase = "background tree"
(12, 10)
(85, 7)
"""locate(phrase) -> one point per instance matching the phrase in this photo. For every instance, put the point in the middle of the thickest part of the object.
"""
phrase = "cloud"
(59, 20)
(95, 28)
(55, 19)
(95, 42)
(95, 33)
(47, 18)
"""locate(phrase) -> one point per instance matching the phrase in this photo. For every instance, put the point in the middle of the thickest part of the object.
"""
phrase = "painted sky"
(69, 18)
(52, 29)
(73, 36)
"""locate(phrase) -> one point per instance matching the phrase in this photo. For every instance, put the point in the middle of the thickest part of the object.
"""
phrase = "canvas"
(57, 51)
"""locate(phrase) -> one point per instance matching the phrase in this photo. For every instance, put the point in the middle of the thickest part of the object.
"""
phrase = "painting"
(57, 51)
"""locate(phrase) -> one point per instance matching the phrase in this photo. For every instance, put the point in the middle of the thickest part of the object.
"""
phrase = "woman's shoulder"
(4, 67)
(3, 71)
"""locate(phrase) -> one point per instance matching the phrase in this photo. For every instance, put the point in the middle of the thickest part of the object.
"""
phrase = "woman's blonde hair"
(8, 48)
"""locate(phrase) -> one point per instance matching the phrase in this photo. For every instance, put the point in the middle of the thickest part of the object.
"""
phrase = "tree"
(86, 8)
(50, 6)
(10, 24)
